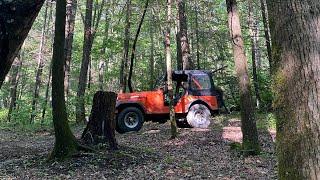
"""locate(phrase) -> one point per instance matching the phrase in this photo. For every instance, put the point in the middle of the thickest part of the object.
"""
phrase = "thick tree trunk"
(87, 45)
(169, 73)
(70, 23)
(254, 50)
(249, 129)
(125, 60)
(16, 19)
(133, 50)
(65, 143)
(14, 85)
(101, 125)
(296, 58)
(265, 18)
(37, 85)
(185, 47)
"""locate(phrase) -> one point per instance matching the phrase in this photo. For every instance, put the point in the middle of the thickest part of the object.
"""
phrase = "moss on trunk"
(65, 143)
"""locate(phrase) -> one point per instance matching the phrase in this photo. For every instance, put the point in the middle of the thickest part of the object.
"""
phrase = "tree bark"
(44, 106)
(103, 63)
(101, 125)
(125, 60)
(295, 36)
(254, 50)
(46, 99)
(185, 47)
(65, 143)
(179, 53)
(133, 50)
(16, 19)
(197, 37)
(87, 45)
(250, 142)
(265, 19)
(40, 66)
(70, 23)
(14, 85)
(169, 73)
(90, 27)
(90, 73)
(151, 61)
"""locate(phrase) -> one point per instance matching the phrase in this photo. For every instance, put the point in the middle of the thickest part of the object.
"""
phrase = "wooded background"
(113, 27)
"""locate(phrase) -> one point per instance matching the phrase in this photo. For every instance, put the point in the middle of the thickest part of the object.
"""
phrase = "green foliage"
(3, 115)
(266, 121)
(214, 52)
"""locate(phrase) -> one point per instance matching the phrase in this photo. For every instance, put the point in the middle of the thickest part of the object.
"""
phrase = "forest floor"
(147, 154)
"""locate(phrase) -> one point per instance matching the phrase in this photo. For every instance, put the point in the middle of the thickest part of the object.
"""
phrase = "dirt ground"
(147, 154)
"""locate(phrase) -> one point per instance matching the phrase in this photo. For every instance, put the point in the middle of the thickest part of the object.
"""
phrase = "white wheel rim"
(199, 116)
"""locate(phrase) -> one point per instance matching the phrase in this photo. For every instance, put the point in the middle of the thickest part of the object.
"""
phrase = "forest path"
(147, 154)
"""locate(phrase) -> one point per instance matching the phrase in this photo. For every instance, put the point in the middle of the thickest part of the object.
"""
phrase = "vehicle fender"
(197, 102)
(122, 105)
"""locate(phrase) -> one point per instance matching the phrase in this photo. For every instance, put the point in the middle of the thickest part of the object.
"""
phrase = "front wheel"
(182, 123)
(199, 116)
(130, 119)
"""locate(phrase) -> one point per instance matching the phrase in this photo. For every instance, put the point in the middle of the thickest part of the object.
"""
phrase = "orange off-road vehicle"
(195, 99)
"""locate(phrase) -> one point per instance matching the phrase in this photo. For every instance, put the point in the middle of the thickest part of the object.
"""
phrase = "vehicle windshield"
(200, 82)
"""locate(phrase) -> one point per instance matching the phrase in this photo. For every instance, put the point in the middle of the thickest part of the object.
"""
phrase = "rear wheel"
(129, 119)
(199, 116)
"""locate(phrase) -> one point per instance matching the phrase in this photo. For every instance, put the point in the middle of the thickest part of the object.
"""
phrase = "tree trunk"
(265, 18)
(133, 51)
(179, 53)
(65, 143)
(101, 125)
(16, 19)
(102, 63)
(87, 45)
(40, 66)
(295, 36)
(169, 73)
(249, 129)
(90, 73)
(254, 50)
(44, 106)
(46, 99)
(70, 23)
(197, 37)
(185, 47)
(151, 61)
(125, 60)
(14, 85)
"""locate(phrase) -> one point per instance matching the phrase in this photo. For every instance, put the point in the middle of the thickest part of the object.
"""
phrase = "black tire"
(129, 119)
(182, 123)
(117, 127)
(199, 116)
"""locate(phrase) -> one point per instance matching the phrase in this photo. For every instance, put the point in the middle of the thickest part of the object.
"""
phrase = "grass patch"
(266, 121)
(3, 115)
